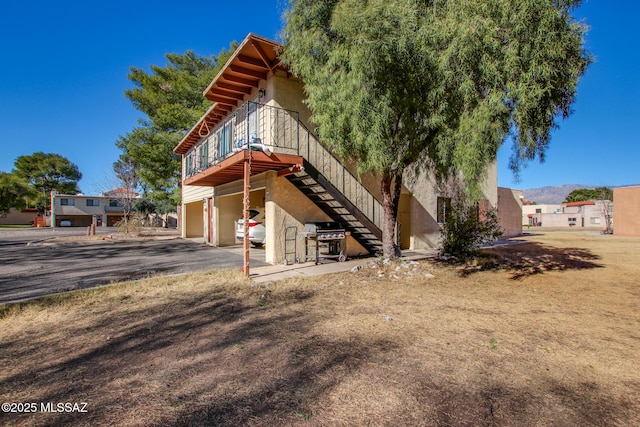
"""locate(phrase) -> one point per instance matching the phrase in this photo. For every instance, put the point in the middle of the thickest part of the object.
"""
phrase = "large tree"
(45, 172)
(13, 192)
(171, 99)
(437, 85)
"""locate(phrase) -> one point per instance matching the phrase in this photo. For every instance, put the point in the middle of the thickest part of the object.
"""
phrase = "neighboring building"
(510, 211)
(19, 216)
(587, 214)
(626, 201)
(260, 126)
(80, 210)
(532, 213)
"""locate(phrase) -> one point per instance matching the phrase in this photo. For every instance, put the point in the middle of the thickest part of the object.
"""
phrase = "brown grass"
(543, 333)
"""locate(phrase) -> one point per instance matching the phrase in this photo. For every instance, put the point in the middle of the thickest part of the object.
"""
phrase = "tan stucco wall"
(425, 231)
(286, 207)
(228, 210)
(287, 92)
(404, 219)
(15, 216)
(510, 211)
(626, 211)
(193, 215)
(228, 207)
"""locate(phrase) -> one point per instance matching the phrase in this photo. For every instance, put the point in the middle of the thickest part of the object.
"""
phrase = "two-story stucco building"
(79, 210)
(258, 131)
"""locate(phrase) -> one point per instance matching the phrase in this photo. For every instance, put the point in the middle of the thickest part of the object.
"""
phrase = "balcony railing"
(252, 124)
(281, 131)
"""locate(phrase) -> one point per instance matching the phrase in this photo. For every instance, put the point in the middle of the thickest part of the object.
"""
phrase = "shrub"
(468, 227)
(131, 225)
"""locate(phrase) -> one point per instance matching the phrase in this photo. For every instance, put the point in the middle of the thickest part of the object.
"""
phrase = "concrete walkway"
(271, 273)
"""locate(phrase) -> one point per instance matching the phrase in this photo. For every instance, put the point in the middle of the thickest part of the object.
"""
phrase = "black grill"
(326, 230)
(332, 234)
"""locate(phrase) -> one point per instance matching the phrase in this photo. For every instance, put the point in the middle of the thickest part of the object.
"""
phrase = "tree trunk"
(391, 186)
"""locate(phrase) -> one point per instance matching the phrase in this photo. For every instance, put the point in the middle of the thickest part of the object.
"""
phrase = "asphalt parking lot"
(31, 267)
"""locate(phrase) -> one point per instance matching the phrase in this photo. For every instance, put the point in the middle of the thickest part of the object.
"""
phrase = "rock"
(388, 318)
(429, 276)
(356, 268)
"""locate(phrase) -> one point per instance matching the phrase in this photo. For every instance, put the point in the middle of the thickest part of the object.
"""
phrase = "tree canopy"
(13, 192)
(44, 172)
(436, 85)
(584, 194)
(171, 100)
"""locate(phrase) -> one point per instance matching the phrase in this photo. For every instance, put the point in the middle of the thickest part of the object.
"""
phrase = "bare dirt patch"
(543, 333)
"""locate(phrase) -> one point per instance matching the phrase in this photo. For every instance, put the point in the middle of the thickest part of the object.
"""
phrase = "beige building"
(532, 214)
(510, 211)
(81, 211)
(259, 125)
(587, 214)
(626, 201)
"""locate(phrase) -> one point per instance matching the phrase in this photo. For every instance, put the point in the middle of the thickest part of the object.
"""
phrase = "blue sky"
(64, 69)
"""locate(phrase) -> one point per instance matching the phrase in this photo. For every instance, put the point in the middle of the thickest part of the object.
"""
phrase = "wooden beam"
(223, 101)
(248, 72)
(224, 108)
(233, 88)
(254, 61)
(262, 55)
(241, 80)
(227, 94)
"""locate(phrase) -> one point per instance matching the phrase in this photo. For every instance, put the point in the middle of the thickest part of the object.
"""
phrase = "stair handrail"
(341, 178)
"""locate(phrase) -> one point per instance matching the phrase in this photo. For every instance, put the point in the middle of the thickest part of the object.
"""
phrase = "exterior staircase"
(331, 187)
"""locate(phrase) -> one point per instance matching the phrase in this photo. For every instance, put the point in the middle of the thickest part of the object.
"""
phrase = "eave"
(252, 62)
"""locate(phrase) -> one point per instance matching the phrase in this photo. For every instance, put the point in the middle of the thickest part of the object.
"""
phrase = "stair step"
(310, 186)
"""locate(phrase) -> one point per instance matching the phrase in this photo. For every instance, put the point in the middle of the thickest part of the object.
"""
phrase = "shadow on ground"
(261, 358)
(531, 258)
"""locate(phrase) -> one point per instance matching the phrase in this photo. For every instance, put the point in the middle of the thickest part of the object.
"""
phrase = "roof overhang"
(254, 59)
(232, 168)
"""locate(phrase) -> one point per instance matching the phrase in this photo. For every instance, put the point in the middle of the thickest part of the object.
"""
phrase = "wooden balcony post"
(245, 215)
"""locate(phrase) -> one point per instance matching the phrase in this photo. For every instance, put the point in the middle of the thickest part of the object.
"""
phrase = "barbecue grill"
(328, 240)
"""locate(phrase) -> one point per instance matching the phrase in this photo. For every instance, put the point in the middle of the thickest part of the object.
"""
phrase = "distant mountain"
(553, 195)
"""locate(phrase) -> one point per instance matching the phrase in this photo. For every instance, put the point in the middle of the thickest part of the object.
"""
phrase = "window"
(93, 202)
(539, 210)
(595, 220)
(443, 208)
(224, 139)
(203, 155)
(114, 204)
(67, 202)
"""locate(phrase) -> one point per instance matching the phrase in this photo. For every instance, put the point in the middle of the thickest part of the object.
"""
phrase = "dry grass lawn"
(539, 334)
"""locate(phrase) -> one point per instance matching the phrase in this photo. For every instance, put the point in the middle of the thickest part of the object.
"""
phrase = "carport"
(229, 201)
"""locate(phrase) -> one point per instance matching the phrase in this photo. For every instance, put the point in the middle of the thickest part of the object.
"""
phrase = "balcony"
(267, 135)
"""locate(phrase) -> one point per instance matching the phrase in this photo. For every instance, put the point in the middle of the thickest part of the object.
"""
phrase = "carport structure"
(242, 165)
